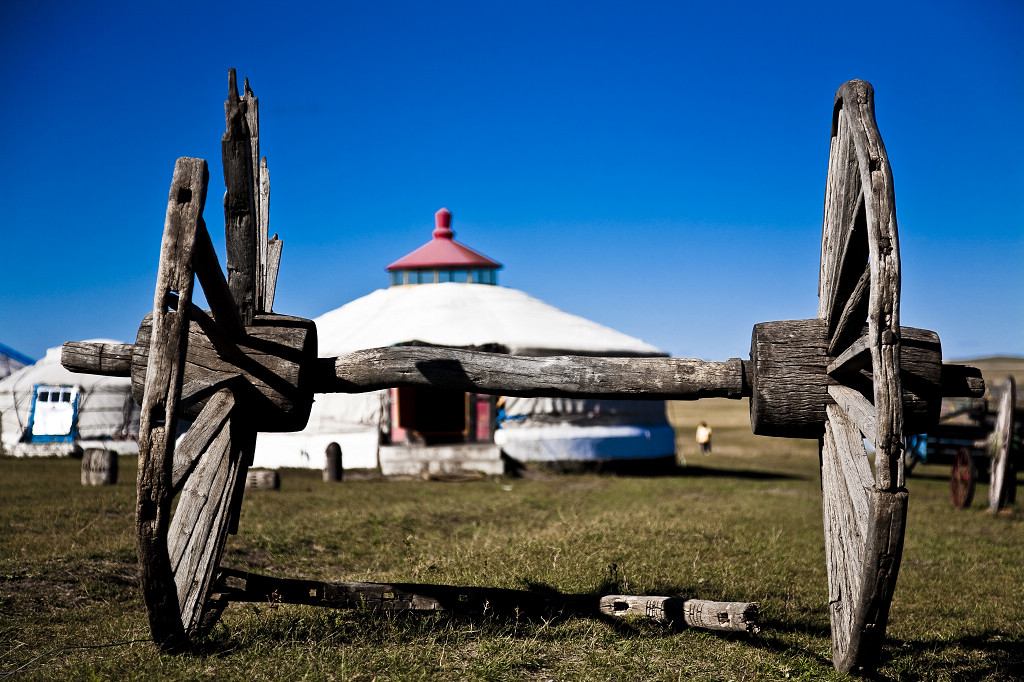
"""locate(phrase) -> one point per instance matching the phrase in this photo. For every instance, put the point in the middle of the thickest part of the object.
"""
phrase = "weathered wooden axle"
(850, 374)
(787, 376)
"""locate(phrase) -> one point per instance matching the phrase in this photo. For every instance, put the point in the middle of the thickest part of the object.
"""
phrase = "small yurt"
(446, 294)
(48, 410)
(11, 361)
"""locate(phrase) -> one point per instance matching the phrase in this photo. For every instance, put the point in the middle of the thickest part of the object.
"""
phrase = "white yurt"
(11, 360)
(446, 294)
(48, 410)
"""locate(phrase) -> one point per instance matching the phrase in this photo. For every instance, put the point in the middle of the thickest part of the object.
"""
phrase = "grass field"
(743, 524)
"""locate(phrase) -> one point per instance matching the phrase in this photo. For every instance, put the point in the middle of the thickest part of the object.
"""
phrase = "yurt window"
(483, 276)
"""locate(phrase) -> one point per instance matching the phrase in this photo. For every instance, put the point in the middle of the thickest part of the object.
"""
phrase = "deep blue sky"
(655, 166)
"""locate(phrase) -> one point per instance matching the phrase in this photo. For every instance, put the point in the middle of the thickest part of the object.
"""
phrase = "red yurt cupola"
(443, 259)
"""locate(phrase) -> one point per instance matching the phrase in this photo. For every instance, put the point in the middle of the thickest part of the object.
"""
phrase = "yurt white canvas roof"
(461, 315)
(468, 315)
(104, 407)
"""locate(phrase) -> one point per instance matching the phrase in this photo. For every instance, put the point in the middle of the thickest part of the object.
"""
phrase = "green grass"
(742, 524)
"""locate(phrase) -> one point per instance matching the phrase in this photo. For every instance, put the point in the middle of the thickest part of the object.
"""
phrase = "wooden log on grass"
(724, 616)
(263, 479)
(99, 467)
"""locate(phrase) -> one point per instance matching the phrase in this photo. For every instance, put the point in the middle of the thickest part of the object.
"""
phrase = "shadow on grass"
(991, 655)
(742, 474)
(519, 613)
(658, 468)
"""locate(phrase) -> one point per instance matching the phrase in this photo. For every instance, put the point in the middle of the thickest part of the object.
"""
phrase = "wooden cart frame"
(850, 374)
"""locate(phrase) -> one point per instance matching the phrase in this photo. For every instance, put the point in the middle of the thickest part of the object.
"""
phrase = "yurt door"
(54, 413)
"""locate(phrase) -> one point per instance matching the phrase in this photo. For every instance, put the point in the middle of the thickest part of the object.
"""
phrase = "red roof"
(443, 251)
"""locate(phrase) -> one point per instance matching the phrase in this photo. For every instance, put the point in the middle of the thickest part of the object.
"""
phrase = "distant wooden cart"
(981, 441)
(849, 374)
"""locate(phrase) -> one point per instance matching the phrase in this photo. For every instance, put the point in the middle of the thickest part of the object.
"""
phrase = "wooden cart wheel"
(205, 470)
(1000, 444)
(864, 500)
(963, 479)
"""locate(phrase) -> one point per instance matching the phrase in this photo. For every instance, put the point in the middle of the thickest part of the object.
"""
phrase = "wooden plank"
(252, 120)
(239, 208)
(858, 408)
(159, 415)
(274, 247)
(243, 586)
(268, 282)
(200, 436)
(500, 374)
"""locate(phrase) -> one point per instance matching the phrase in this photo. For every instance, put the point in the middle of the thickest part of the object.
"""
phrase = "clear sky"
(658, 167)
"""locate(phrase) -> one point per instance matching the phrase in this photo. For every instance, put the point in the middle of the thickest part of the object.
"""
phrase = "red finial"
(443, 221)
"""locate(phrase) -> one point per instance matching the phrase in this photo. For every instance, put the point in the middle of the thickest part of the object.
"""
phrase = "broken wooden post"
(725, 616)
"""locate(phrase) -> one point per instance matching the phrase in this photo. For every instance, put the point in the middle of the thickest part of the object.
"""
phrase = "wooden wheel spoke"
(844, 245)
(215, 287)
(853, 464)
(204, 516)
(200, 388)
(210, 423)
(851, 319)
(856, 357)
(1000, 444)
(844, 543)
(858, 409)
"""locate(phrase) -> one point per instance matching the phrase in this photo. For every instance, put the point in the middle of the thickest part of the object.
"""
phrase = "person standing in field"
(704, 438)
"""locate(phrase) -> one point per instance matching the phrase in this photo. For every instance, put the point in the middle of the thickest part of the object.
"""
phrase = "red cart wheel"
(962, 481)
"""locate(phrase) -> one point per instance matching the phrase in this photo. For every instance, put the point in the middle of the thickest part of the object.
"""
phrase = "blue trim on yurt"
(69, 437)
(16, 356)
